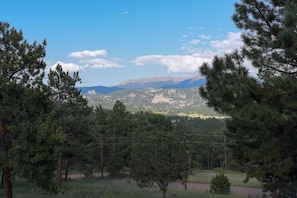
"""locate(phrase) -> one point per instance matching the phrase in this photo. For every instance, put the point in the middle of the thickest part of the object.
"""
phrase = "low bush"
(220, 184)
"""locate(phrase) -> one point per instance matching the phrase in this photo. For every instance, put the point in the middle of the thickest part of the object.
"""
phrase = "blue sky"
(110, 41)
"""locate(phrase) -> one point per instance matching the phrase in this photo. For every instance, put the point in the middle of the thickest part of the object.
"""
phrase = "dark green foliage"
(101, 124)
(269, 34)
(37, 165)
(220, 184)
(262, 109)
(119, 138)
(262, 125)
(288, 191)
(72, 117)
(205, 141)
(158, 155)
(28, 143)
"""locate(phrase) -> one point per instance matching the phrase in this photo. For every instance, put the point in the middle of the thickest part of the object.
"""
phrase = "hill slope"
(167, 101)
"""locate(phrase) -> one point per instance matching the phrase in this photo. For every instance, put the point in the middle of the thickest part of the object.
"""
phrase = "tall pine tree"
(71, 115)
(101, 123)
(27, 141)
(262, 109)
(158, 155)
(118, 135)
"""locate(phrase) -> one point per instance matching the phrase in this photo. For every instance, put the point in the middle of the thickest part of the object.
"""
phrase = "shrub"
(220, 184)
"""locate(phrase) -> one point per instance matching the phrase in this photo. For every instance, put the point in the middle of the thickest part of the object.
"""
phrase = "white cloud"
(194, 42)
(195, 27)
(203, 36)
(87, 54)
(100, 63)
(70, 67)
(196, 55)
(123, 13)
(219, 46)
(174, 63)
(232, 42)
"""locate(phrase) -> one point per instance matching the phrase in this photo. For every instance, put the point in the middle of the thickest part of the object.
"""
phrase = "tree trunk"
(164, 193)
(113, 143)
(66, 169)
(162, 186)
(225, 152)
(274, 194)
(190, 159)
(185, 150)
(274, 184)
(2, 178)
(208, 159)
(6, 146)
(7, 183)
(221, 163)
(59, 173)
(101, 154)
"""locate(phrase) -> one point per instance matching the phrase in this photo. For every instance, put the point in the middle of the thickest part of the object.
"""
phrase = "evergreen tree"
(27, 140)
(158, 155)
(262, 109)
(71, 115)
(119, 132)
(100, 130)
(269, 34)
(205, 141)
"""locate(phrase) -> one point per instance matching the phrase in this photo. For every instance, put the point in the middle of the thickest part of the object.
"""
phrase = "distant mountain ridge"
(183, 102)
(99, 89)
(171, 96)
(147, 83)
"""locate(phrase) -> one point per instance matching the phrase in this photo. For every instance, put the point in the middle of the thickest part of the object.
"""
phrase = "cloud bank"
(173, 63)
(70, 67)
(197, 49)
(197, 52)
(87, 59)
(100, 63)
(87, 54)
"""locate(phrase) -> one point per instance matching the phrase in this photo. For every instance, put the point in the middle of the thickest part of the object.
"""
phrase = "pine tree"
(100, 130)
(262, 109)
(270, 38)
(158, 155)
(119, 130)
(71, 115)
(27, 141)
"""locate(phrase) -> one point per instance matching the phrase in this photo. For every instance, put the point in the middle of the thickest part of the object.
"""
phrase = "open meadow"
(107, 189)
(125, 188)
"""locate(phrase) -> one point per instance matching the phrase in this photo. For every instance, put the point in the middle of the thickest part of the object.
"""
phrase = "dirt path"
(241, 191)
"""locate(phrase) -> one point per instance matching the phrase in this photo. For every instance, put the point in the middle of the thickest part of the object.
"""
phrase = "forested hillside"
(167, 101)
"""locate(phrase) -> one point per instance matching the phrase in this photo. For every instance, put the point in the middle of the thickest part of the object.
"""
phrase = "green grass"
(104, 189)
(109, 188)
(235, 178)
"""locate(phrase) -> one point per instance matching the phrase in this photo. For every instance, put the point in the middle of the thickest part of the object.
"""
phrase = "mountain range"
(147, 83)
(171, 96)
